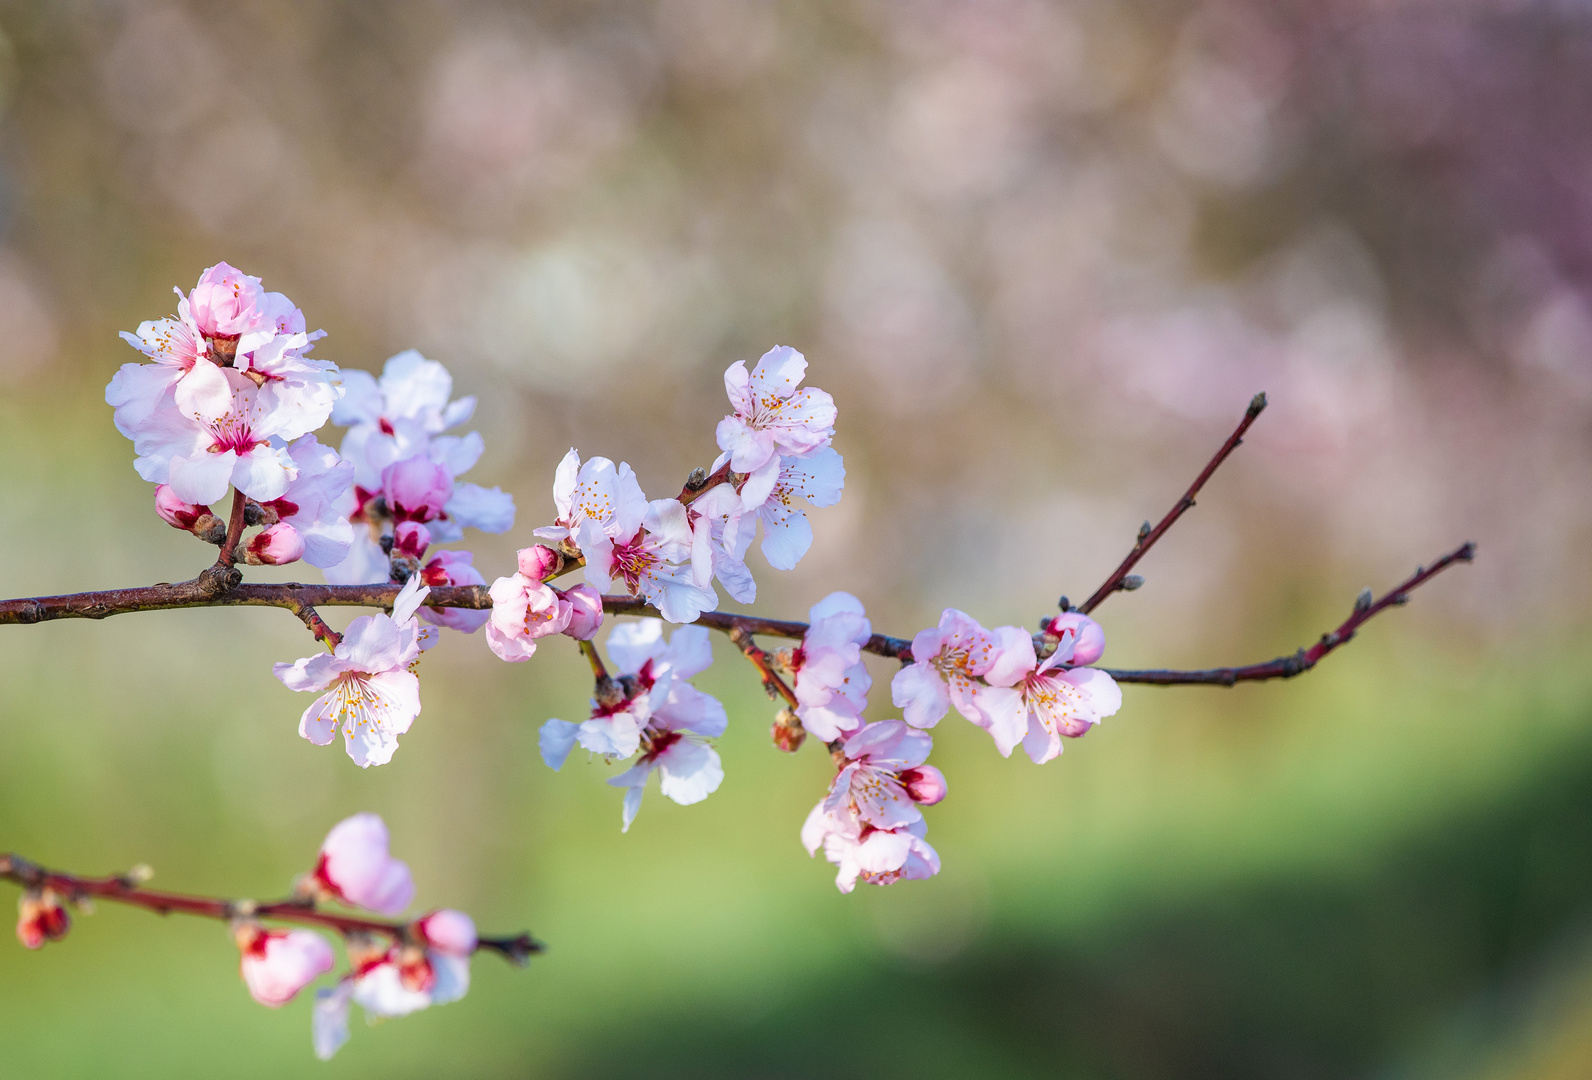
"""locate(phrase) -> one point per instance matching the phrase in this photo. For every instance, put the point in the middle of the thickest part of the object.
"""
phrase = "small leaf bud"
(697, 480)
(1131, 582)
(1363, 601)
(1145, 530)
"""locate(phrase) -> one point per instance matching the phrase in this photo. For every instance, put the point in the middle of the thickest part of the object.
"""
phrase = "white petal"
(557, 739)
(689, 772)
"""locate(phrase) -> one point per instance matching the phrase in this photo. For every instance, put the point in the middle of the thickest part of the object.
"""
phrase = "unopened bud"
(41, 918)
(586, 611)
(1364, 600)
(410, 540)
(251, 513)
(177, 513)
(1064, 604)
(276, 546)
(402, 568)
(1131, 582)
(610, 692)
(697, 480)
(539, 562)
(787, 732)
(1145, 530)
(138, 875)
(925, 784)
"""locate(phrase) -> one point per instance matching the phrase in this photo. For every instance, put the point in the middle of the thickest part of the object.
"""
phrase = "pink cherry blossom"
(720, 537)
(869, 787)
(523, 611)
(648, 670)
(1058, 702)
(453, 568)
(277, 964)
(366, 686)
(768, 496)
(537, 562)
(771, 416)
(960, 663)
(832, 682)
(411, 394)
(408, 979)
(354, 866)
(863, 853)
(627, 541)
(177, 348)
(227, 302)
(674, 744)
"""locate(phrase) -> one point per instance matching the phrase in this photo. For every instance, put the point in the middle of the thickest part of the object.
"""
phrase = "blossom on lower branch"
(869, 824)
(960, 663)
(1061, 702)
(832, 683)
(366, 685)
(277, 964)
(650, 709)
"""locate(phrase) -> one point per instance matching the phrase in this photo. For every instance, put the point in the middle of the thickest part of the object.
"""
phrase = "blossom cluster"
(393, 968)
(229, 398)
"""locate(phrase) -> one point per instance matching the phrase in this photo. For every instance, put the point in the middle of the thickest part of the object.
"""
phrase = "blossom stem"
(741, 635)
(589, 650)
(1147, 540)
(124, 889)
(235, 527)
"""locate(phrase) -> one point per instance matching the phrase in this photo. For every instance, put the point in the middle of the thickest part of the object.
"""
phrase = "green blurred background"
(1042, 254)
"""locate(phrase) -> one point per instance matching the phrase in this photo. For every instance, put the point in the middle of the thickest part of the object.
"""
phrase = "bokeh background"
(1042, 253)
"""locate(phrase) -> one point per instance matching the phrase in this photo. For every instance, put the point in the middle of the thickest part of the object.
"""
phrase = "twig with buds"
(127, 889)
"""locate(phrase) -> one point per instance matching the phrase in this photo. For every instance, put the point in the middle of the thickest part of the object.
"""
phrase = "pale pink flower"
(290, 381)
(407, 979)
(832, 682)
(870, 787)
(354, 866)
(769, 495)
(366, 686)
(524, 610)
(660, 712)
(1062, 703)
(960, 663)
(227, 302)
(646, 547)
(771, 416)
(221, 436)
(412, 394)
(863, 853)
(537, 562)
(177, 348)
(277, 964)
(719, 540)
(453, 568)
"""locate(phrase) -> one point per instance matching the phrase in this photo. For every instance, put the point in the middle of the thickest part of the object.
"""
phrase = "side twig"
(125, 890)
(1148, 536)
(741, 636)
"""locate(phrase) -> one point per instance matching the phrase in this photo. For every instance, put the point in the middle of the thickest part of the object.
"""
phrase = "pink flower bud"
(417, 489)
(227, 302)
(925, 784)
(787, 732)
(355, 867)
(41, 918)
(586, 612)
(174, 512)
(410, 538)
(538, 561)
(276, 546)
(277, 964)
(449, 931)
(1090, 641)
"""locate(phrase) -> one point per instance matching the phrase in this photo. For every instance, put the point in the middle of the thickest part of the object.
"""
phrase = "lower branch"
(125, 890)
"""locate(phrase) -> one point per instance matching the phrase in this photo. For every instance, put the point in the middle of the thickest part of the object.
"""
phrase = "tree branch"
(741, 636)
(1148, 537)
(1286, 667)
(125, 890)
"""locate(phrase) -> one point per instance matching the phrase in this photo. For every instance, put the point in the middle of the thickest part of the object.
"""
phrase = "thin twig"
(1286, 667)
(589, 650)
(235, 527)
(1147, 540)
(125, 890)
(741, 635)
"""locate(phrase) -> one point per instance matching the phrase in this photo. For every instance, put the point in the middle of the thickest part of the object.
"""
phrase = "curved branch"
(125, 890)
